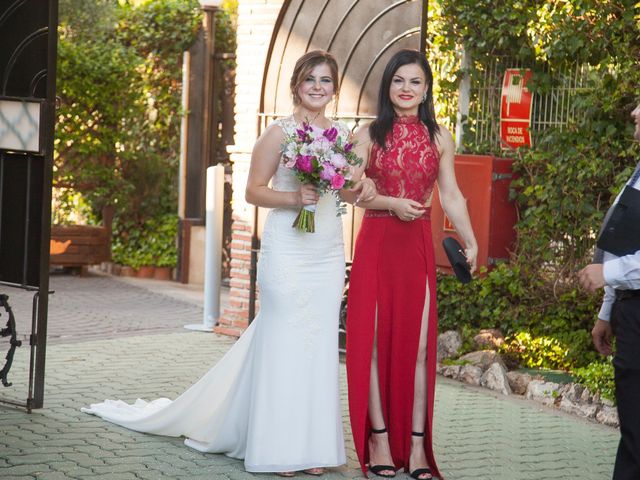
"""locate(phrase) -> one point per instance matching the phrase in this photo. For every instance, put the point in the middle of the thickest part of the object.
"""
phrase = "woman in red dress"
(392, 318)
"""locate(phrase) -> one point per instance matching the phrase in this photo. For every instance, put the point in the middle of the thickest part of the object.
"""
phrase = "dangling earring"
(424, 96)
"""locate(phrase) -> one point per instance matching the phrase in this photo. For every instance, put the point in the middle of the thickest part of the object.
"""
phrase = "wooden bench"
(79, 246)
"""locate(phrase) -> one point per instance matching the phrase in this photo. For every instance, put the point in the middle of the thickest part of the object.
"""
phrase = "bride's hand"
(366, 190)
(406, 209)
(307, 195)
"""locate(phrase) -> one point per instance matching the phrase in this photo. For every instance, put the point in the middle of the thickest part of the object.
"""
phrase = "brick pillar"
(256, 19)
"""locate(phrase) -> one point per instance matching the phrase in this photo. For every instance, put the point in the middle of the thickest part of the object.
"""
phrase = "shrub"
(153, 244)
(597, 377)
(536, 352)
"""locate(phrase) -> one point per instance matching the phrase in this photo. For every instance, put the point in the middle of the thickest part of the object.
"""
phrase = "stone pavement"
(102, 347)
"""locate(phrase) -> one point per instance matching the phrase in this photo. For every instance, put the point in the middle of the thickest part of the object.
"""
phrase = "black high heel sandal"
(420, 471)
(378, 469)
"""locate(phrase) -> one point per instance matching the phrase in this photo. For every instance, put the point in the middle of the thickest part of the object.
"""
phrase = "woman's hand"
(307, 195)
(472, 257)
(406, 209)
(365, 189)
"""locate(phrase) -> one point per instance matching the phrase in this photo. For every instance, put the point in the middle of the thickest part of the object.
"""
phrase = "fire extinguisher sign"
(515, 109)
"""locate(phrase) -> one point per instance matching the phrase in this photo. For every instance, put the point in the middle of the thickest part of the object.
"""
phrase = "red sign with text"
(515, 109)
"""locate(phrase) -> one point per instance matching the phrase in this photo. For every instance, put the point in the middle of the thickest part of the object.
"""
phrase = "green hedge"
(566, 181)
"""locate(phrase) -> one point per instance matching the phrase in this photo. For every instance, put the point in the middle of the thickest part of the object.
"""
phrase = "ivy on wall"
(571, 175)
(118, 124)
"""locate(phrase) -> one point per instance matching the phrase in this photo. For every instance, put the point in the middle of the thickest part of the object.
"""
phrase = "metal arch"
(36, 80)
(274, 36)
(364, 31)
(9, 11)
(315, 26)
(406, 34)
(340, 23)
(16, 53)
(288, 25)
(283, 12)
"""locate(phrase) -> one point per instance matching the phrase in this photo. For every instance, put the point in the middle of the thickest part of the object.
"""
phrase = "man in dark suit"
(620, 316)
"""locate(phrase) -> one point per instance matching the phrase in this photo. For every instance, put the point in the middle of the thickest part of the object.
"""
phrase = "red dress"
(393, 266)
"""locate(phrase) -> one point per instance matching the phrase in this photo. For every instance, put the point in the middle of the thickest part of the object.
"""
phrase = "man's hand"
(602, 335)
(591, 277)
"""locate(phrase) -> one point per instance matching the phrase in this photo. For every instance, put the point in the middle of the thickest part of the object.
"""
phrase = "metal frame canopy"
(361, 34)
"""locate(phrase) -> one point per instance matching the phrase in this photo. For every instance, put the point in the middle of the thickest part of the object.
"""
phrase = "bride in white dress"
(273, 399)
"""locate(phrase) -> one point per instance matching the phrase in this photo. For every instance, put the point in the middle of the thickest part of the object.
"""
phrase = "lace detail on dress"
(408, 167)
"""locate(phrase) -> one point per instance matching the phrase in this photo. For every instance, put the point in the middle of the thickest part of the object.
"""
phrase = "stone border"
(485, 368)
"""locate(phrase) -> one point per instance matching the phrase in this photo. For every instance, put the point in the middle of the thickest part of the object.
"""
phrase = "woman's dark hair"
(382, 125)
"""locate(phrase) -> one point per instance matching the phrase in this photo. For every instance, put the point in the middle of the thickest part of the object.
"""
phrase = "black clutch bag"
(621, 234)
(457, 259)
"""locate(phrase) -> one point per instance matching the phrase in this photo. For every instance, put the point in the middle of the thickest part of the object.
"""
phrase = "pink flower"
(337, 182)
(304, 164)
(331, 134)
(328, 172)
(338, 160)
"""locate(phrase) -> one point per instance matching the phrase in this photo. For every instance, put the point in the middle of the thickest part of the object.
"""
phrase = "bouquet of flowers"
(321, 158)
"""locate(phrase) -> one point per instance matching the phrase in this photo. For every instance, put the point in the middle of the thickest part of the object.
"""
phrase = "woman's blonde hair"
(306, 64)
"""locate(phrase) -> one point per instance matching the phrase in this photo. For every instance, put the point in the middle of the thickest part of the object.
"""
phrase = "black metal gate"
(27, 113)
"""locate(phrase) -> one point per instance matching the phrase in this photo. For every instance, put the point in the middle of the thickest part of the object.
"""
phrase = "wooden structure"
(79, 246)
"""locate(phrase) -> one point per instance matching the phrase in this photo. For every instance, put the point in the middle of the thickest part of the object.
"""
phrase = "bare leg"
(379, 450)
(418, 459)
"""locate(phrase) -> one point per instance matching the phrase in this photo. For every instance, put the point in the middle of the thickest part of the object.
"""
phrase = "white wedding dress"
(273, 399)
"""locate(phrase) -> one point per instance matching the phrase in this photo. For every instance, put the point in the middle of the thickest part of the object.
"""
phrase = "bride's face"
(317, 90)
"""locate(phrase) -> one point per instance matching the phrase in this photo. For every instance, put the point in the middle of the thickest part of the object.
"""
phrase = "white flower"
(338, 160)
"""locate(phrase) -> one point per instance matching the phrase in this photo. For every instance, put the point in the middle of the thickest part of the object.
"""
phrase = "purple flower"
(331, 134)
(302, 134)
(304, 164)
(328, 172)
(337, 182)
(348, 147)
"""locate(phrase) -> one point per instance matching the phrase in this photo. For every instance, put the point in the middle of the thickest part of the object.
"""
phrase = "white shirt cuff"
(612, 272)
(605, 312)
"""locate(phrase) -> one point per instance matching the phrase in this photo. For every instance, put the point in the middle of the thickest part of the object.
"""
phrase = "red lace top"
(408, 168)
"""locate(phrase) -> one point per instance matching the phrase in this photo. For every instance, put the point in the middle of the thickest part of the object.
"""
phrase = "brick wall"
(256, 19)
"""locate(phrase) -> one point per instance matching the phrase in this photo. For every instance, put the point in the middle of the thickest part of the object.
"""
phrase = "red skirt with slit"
(393, 269)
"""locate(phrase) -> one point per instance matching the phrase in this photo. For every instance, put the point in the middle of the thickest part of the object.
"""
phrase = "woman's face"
(408, 86)
(317, 90)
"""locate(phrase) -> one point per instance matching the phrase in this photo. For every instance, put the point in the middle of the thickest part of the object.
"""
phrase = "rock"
(541, 391)
(572, 392)
(483, 359)
(490, 337)
(470, 374)
(518, 382)
(608, 415)
(450, 371)
(448, 344)
(569, 406)
(588, 410)
(585, 397)
(495, 378)
(607, 403)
